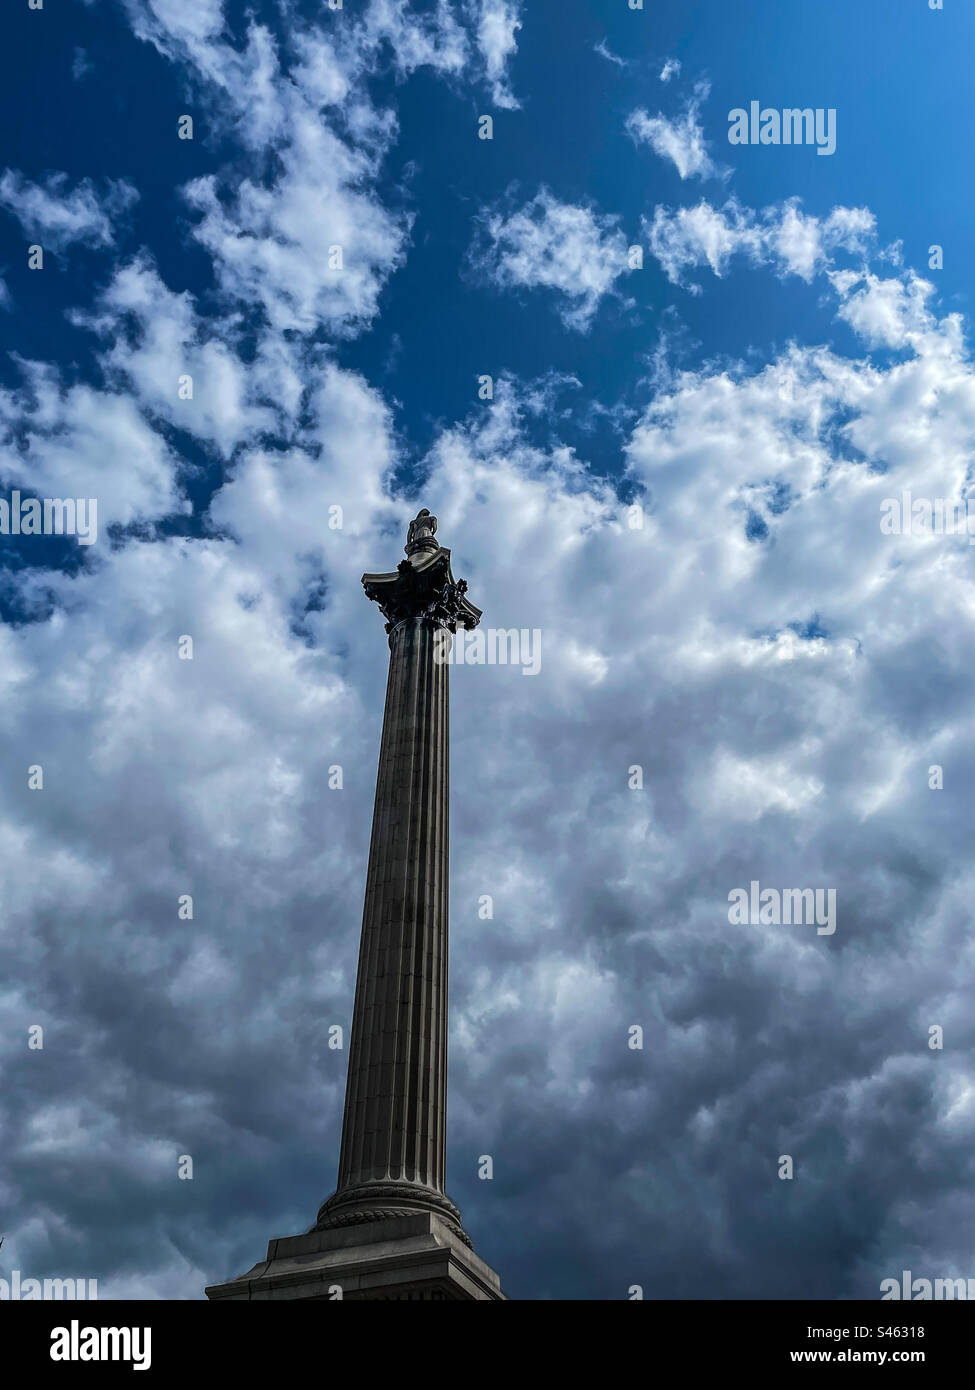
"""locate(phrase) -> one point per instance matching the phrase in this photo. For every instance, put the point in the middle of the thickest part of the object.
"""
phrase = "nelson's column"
(389, 1230)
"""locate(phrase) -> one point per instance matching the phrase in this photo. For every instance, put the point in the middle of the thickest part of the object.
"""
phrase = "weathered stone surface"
(412, 1257)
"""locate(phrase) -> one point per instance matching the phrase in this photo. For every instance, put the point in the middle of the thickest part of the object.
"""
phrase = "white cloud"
(782, 237)
(250, 75)
(687, 237)
(273, 239)
(58, 215)
(803, 245)
(885, 312)
(773, 749)
(680, 139)
(418, 39)
(75, 441)
(278, 246)
(161, 19)
(671, 68)
(602, 48)
(573, 250)
(497, 23)
(187, 370)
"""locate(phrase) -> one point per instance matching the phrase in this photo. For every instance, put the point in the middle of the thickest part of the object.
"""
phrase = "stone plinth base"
(416, 1257)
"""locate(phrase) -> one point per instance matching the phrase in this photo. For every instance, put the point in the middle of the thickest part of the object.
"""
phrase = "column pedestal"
(408, 1257)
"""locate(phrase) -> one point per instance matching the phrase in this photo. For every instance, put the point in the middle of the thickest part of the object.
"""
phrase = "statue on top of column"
(421, 533)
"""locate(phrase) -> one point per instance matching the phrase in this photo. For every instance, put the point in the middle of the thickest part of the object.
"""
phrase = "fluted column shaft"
(394, 1127)
(393, 1151)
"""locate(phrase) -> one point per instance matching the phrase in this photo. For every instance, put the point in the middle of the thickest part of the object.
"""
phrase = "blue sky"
(785, 673)
(902, 119)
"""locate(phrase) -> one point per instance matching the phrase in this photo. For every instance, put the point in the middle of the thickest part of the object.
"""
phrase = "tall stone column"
(389, 1231)
(394, 1130)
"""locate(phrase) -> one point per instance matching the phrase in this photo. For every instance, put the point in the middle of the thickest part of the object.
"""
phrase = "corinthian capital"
(423, 586)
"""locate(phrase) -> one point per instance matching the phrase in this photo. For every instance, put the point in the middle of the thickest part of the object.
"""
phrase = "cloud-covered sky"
(710, 366)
